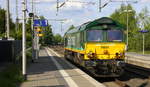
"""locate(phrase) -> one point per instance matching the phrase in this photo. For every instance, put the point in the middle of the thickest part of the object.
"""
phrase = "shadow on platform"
(52, 86)
(45, 64)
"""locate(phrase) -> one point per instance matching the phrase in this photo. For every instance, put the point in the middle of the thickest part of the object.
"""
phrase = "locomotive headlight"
(91, 54)
(117, 54)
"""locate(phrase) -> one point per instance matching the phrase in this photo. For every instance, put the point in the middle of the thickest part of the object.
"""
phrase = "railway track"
(134, 76)
(138, 70)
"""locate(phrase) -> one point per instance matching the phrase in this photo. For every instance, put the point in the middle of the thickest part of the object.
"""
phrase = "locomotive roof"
(100, 21)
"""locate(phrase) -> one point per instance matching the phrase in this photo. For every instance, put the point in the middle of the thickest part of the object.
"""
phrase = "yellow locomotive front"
(105, 51)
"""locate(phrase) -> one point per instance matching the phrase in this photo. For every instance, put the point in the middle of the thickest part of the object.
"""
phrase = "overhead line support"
(7, 19)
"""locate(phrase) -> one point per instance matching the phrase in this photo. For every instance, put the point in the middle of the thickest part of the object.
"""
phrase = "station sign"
(144, 31)
(36, 22)
(42, 23)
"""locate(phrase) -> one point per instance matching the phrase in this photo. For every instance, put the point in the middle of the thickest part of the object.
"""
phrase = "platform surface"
(138, 59)
(50, 70)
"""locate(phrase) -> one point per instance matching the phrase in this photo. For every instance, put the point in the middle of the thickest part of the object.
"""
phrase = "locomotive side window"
(115, 35)
(94, 35)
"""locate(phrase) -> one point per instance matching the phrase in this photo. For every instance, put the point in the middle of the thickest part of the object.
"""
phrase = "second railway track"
(138, 70)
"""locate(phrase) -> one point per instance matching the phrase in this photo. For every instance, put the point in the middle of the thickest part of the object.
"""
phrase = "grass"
(140, 52)
(146, 52)
(12, 75)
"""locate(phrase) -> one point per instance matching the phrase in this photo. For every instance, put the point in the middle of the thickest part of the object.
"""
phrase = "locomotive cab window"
(115, 35)
(94, 35)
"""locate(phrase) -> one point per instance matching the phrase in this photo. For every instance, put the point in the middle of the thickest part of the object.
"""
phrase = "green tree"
(3, 24)
(144, 23)
(48, 37)
(58, 39)
(120, 15)
(71, 27)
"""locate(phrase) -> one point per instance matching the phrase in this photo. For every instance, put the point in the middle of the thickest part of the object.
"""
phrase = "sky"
(74, 12)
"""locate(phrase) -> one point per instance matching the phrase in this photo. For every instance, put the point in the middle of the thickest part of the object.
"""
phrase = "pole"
(36, 45)
(24, 40)
(57, 7)
(33, 50)
(35, 37)
(143, 43)
(7, 16)
(32, 6)
(99, 5)
(127, 26)
(33, 34)
(17, 20)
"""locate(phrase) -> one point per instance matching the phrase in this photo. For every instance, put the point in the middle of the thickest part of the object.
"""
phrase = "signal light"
(31, 14)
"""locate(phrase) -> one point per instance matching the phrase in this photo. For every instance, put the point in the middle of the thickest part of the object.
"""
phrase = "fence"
(9, 50)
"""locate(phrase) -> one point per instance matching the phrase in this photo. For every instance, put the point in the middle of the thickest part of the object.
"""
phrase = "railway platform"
(138, 59)
(51, 70)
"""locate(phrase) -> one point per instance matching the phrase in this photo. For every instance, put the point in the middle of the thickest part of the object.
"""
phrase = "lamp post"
(128, 21)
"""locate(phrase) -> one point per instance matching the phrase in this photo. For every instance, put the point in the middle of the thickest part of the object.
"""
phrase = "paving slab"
(43, 73)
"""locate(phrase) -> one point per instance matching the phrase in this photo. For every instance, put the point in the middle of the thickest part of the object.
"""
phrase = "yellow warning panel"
(40, 35)
(38, 30)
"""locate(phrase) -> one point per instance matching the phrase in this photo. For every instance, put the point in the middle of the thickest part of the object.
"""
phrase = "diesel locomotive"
(99, 46)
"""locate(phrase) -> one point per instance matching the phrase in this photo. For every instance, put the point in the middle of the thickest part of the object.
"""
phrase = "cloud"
(69, 21)
(43, 0)
(134, 0)
(67, 6)
(145, 0)
(71, 5)
(77, 5)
